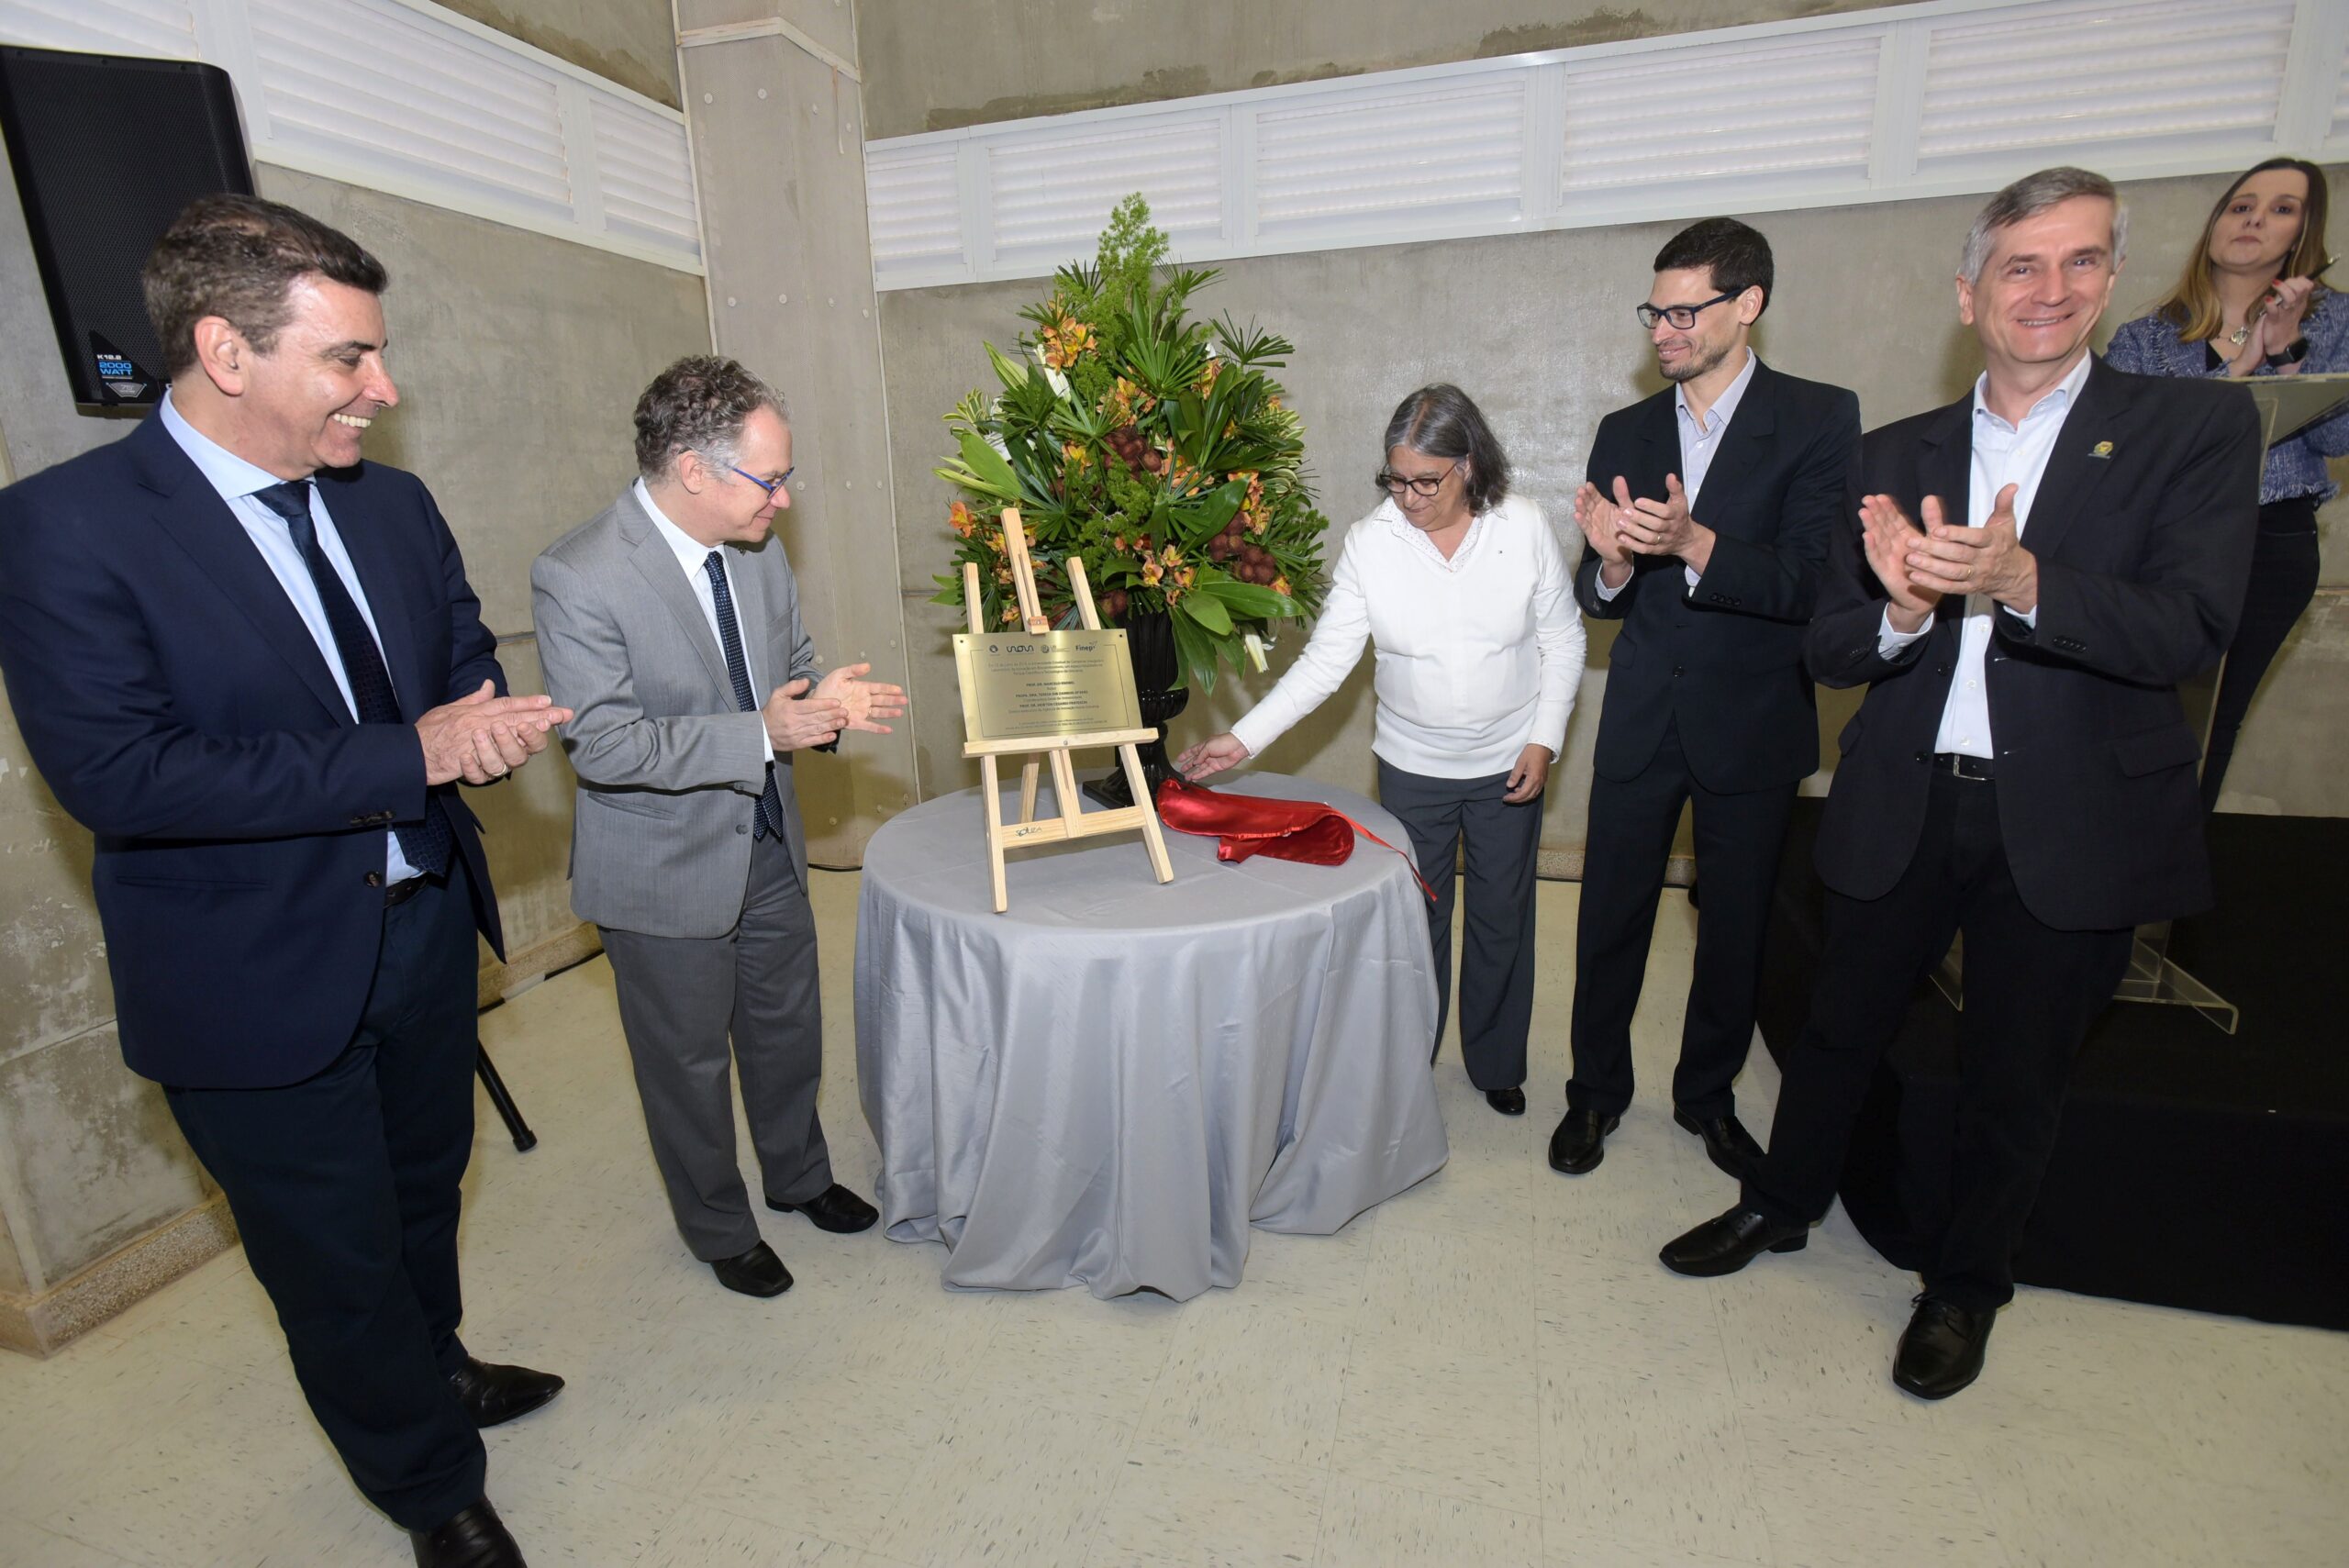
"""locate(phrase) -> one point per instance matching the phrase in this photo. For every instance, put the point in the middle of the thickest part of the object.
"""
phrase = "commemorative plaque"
(1028, 686)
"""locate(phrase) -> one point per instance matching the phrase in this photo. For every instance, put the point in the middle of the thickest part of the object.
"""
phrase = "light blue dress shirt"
(237, 483)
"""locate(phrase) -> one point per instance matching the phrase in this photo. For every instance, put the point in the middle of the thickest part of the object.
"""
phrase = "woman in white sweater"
(1470, 602)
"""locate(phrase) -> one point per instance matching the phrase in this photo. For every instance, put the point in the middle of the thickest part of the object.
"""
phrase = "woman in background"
(2248, 304)
(1470, 602)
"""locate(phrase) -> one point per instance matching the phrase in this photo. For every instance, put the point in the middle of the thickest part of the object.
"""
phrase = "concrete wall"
(628, 42)
(938, 64)
(518, 357)
(779, 139)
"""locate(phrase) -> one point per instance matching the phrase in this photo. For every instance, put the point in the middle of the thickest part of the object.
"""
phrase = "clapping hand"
(1990, 560)
(862, 702)
(1659, 528)
(797, 718)
(483, 737)
(1597, 518)
(1888, 534)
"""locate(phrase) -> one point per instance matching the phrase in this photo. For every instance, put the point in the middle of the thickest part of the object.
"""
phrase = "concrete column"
(777, 115)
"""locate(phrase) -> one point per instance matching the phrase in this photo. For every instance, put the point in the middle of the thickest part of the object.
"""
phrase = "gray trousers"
(682, 999)
(1496, 946)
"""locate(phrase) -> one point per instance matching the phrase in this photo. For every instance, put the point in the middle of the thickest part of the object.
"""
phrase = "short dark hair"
(698, 405)
(1443, 421)
(239, 258)
(1735, 253)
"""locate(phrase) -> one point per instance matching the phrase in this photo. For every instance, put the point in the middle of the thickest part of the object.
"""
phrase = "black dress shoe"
(1726, 1244)
(1508, 1102)
(1727, 1143)
(492, 1395)
(1942, 1351)
(476, 1538)
(835, 1209)
(1580, 1141)
(756, 1273)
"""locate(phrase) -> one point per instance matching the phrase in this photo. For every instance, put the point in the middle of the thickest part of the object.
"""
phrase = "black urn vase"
(1149, 643)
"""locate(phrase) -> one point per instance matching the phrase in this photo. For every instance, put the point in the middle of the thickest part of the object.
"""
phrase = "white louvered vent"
(1803, 110)
(645, 174)
(915, 207)
(1054, 192)
(1409, 157)
(166, 27)
(2051, 77)
(385, 89)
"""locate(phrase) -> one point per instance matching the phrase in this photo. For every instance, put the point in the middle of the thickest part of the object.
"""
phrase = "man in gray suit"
(670, 625)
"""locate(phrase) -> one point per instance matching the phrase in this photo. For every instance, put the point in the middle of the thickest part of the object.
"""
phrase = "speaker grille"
(107, 150)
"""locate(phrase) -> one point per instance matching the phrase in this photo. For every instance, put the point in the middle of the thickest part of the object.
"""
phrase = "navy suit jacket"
(2143, 528)
(179, 709)
(1725, 660)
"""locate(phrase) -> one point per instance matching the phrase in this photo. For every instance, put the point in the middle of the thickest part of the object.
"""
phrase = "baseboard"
(41, 1325)
(531, 964)
(1566, 865)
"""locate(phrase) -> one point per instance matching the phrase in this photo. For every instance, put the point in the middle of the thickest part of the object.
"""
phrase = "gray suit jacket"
(669, 766)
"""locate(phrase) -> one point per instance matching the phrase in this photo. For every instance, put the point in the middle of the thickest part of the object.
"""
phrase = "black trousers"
(345, 1189)
(1497, 946)
(1739, 837)
(2030, 993)
(2283, 580)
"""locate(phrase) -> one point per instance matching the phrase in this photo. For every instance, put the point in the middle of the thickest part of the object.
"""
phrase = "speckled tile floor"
(1491, 1369)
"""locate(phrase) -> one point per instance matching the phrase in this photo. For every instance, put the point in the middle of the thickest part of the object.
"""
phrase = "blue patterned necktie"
(427, 844)
(730, 634)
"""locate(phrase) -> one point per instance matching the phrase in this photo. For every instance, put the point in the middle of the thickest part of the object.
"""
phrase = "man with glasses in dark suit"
(1707, 512)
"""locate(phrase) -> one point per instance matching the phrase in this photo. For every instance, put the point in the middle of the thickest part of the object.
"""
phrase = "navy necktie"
(729, 635)
(425, 844)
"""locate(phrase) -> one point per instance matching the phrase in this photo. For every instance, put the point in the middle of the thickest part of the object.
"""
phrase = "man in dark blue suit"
(1705, 516)
(250, 664)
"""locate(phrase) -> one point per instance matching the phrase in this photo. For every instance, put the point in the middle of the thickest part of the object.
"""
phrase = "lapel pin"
(2102, 449)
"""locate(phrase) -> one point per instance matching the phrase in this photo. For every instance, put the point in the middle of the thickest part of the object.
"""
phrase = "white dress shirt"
(237, 482)
(2004, 454)
(691, 554)
(1700, 440)
(1477, 657)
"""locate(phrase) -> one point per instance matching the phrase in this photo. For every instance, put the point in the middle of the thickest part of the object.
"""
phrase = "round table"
(1108, 1083)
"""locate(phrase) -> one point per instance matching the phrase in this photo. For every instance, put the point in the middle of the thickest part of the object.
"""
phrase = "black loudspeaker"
(107, 149)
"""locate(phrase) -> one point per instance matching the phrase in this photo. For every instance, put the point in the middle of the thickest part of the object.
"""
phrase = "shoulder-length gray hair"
(1443, 421)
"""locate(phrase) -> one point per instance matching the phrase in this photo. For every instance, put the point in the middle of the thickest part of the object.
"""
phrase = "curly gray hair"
(698, 405)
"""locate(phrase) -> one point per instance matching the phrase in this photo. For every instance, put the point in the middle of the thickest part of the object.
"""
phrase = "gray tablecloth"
(1107, 1084)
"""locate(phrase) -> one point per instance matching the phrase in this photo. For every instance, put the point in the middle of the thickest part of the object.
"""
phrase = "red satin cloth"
(1245, 825)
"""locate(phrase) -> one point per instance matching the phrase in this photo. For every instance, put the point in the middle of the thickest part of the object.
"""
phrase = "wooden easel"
(1073, 821)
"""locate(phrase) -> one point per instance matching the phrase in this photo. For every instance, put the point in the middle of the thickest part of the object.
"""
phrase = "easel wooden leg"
(1028, 789)
(990, 784)
(1152, 837)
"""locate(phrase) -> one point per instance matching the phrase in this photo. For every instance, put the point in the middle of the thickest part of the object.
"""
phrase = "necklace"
(2239, 335)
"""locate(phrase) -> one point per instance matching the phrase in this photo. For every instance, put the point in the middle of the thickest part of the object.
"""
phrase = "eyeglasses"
(1395, 484)
(769, 486)
(1683, 317)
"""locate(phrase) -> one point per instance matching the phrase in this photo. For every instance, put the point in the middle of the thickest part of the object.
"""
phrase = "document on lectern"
(2290, 404)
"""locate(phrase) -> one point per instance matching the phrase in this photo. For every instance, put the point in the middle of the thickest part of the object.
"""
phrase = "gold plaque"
(1040, 686)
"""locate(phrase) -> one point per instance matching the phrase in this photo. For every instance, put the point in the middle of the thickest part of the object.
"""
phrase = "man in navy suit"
(2029, 574)
(1706, 513)
(250, 664)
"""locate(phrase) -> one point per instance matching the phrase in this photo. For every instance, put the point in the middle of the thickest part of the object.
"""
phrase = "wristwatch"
(2292, 355)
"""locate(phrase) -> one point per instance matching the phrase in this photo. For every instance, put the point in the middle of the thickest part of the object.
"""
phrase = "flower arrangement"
(1156, 450)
